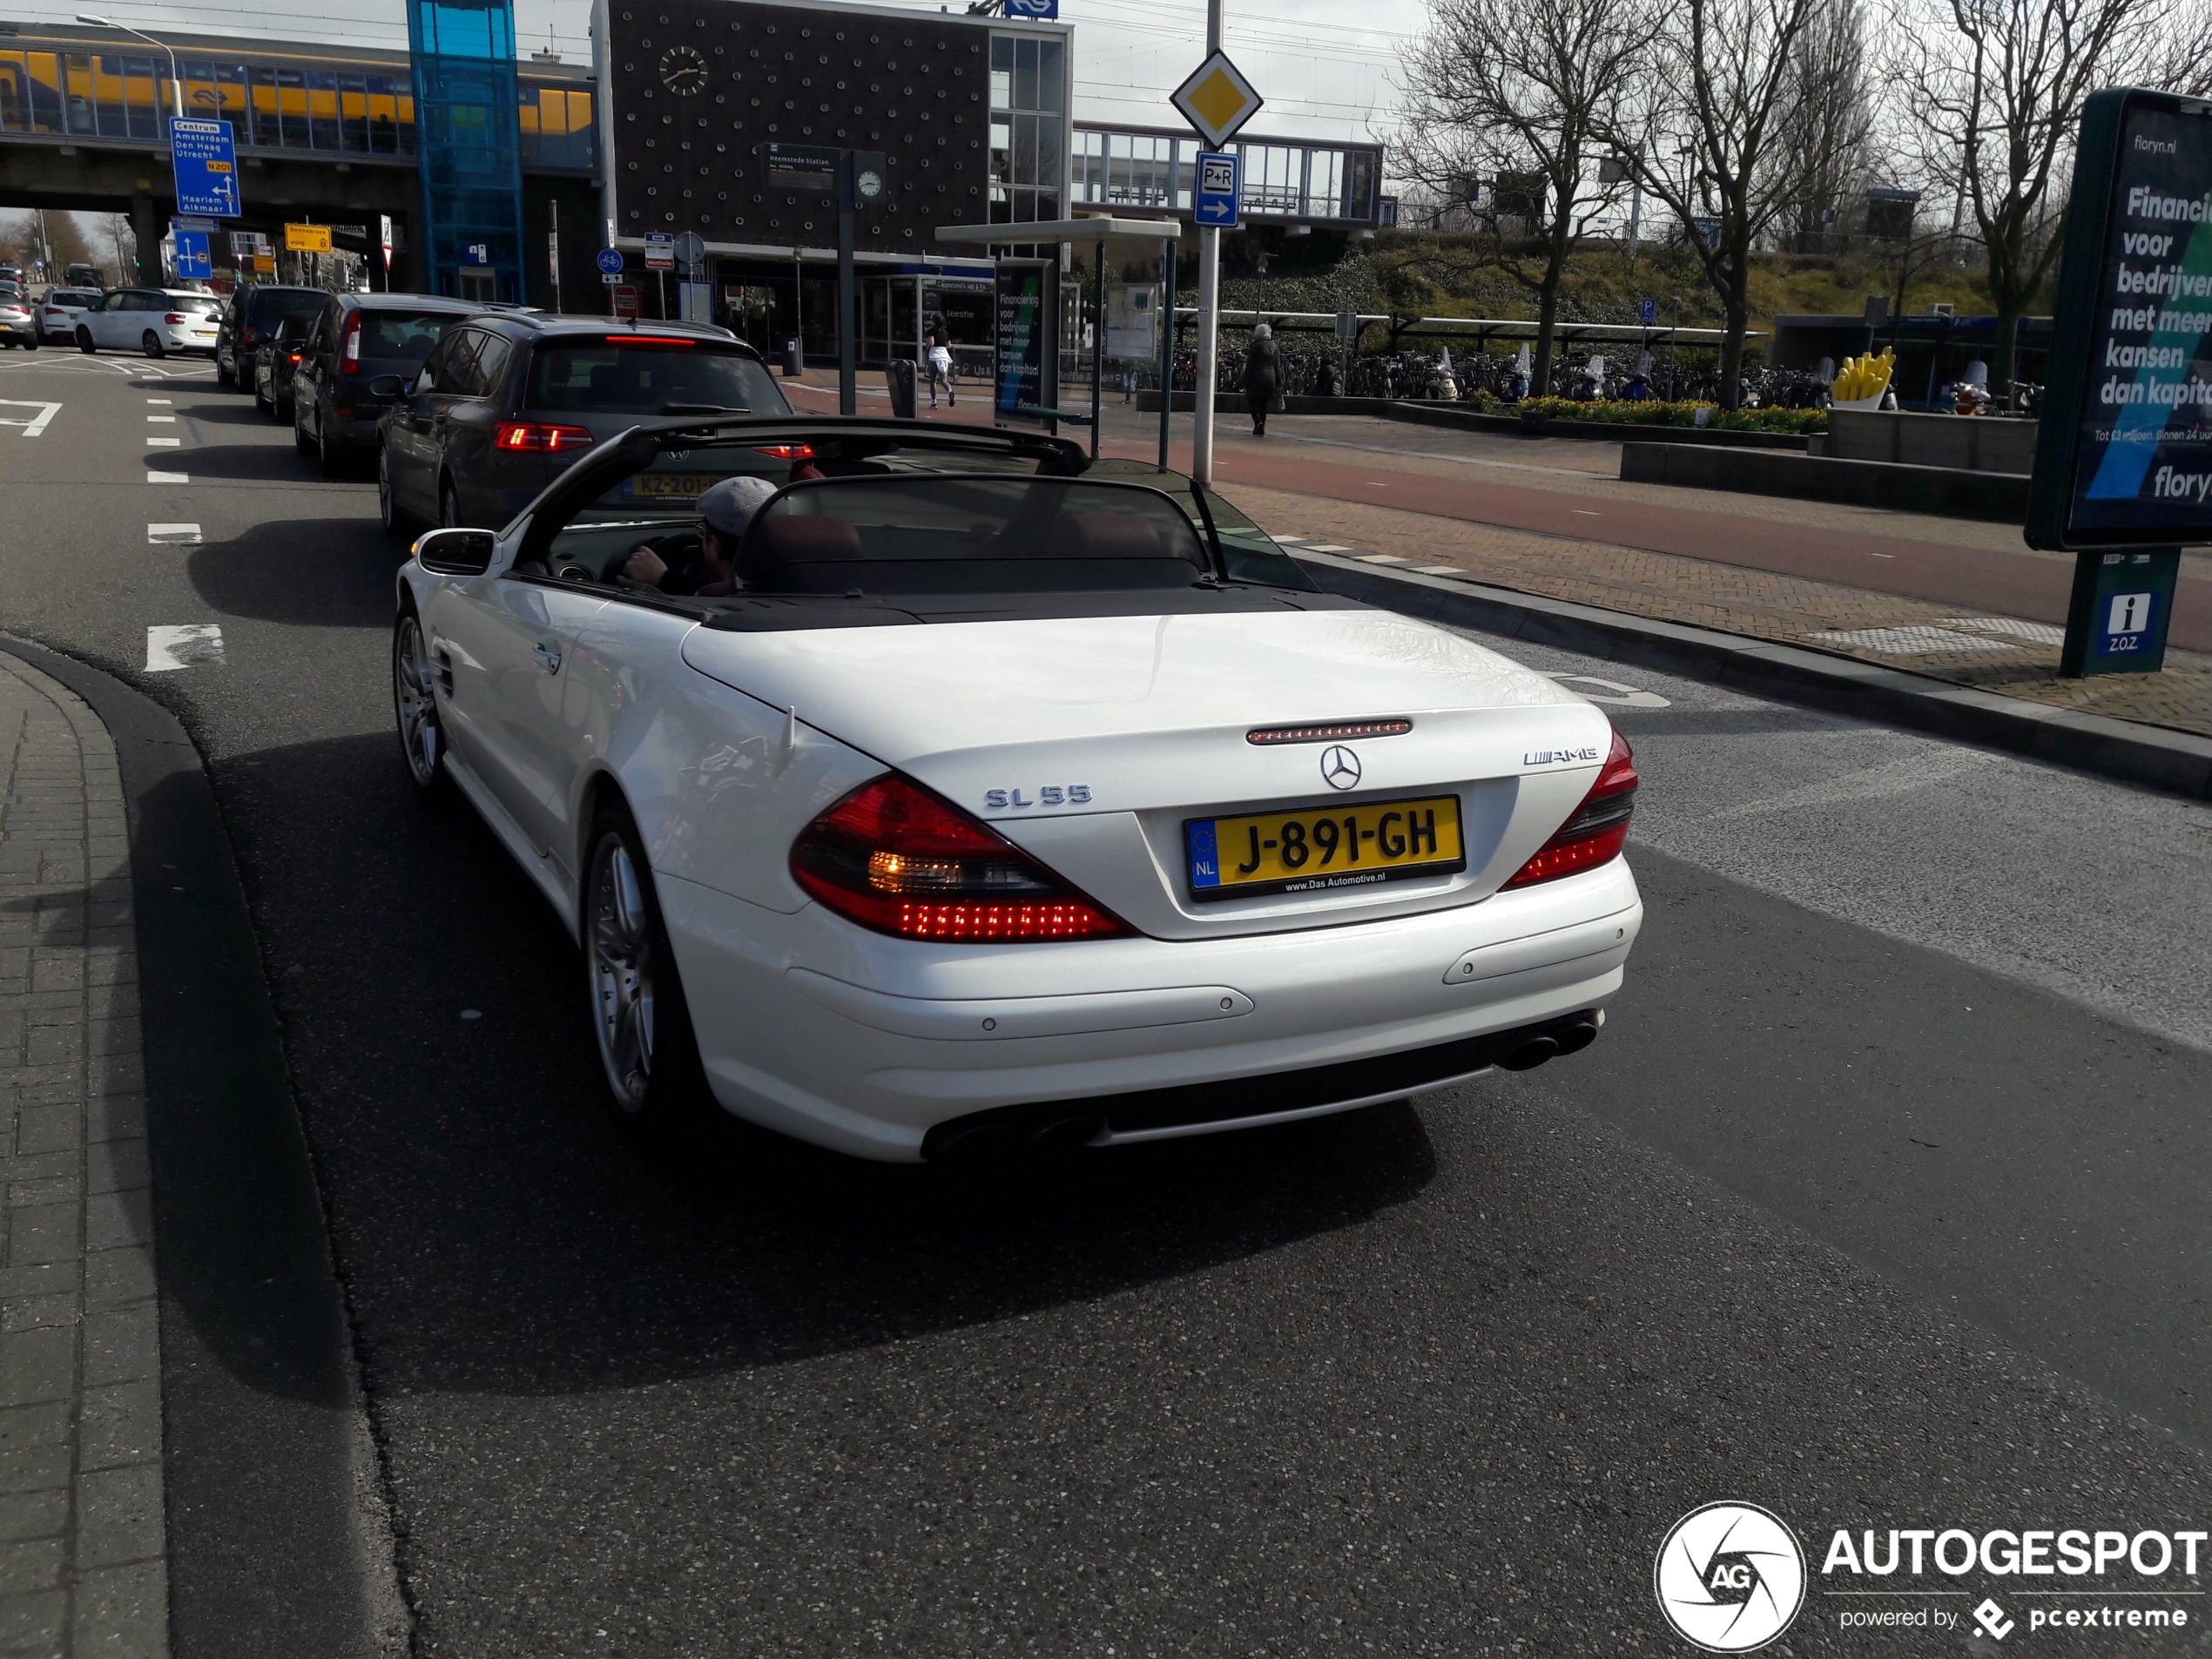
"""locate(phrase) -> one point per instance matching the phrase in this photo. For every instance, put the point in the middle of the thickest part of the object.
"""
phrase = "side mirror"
(455, 552)
(387, 386)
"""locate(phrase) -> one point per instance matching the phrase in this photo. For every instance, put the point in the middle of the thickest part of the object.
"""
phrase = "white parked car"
(59, 310)
(18, 317)
(154, 320)
(1007, 802)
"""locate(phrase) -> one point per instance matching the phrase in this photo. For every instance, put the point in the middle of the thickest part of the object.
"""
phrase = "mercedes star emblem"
(1339, 766)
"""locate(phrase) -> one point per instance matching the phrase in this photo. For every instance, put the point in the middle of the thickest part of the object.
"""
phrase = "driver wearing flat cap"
(701, 563)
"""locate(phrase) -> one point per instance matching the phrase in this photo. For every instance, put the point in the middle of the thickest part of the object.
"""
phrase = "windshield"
(401, 333)
(968, 533)
(269, 304)
(649, 377)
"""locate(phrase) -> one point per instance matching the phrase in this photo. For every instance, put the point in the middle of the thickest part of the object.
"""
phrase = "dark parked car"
(356, 339)
(250, 318)
(509, 399)
(275, 357)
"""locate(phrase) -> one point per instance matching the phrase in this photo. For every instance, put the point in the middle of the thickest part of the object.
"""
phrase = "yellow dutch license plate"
(1354, 845)
(673, 486)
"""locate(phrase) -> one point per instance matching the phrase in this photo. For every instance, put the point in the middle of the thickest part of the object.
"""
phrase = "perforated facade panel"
(692, 88)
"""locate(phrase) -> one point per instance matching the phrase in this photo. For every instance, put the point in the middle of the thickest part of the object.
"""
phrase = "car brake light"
(540, 438)
(1593, 835)
(895, 858)
(648, 340)
(786, 451)
(349, 350)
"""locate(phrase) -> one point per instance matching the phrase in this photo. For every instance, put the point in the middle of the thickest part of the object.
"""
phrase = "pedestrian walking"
(941, 360)
(1263, 376)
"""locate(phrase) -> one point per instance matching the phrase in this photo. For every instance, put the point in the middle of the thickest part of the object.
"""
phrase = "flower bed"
(1650, 412)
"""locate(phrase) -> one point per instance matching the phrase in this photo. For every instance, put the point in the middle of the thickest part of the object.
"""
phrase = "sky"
(1324, 66)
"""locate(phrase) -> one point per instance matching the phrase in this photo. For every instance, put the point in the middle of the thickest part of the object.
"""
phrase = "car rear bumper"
(867, 1050)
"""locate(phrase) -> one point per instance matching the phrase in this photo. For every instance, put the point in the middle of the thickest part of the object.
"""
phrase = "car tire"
(394, 518)
(330, 460)
(267, 405)
(414, 709)
(649, 1057)
(85, 341)
(225, 378)
(31, 345)
(448, 505)
(149, 342)
(300, 441)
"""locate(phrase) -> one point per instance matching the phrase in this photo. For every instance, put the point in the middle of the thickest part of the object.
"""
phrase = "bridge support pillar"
(146, 229)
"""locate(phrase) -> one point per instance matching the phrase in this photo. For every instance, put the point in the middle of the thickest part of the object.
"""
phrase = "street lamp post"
(176, 83)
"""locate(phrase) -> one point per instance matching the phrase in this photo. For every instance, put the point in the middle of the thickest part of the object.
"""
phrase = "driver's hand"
(643, 569)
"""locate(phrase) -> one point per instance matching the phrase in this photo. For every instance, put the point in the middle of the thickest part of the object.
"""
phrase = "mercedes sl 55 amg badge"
(1339, 766)
(1048, 795)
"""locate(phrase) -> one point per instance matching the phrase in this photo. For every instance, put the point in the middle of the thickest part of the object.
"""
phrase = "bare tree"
(1996, 90)
(1829, 122)
(1713, 142)
(1524, 89)
(2181, 52)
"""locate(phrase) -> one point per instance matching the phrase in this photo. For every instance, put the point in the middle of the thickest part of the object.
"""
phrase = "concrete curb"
(271, 1549)
(2177, 761)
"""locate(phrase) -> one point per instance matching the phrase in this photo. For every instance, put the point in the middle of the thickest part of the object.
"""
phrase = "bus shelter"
(1026, 374)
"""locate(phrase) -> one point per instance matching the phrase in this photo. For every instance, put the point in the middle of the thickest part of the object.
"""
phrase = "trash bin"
(899, 375)
(792, 366)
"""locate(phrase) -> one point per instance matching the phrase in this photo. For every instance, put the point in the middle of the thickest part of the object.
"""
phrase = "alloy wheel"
(622, 971)
(416, 703)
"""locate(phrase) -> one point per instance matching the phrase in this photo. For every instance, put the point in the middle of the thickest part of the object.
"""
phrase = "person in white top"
(940, 362)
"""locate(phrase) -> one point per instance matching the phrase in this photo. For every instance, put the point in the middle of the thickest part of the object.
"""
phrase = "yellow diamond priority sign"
(1217, 99)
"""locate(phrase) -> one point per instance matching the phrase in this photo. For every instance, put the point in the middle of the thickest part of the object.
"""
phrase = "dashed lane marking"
(33, 425)
(191, 644)
(161, 419)
(1442, 569)
(1380, 558)
(169, 478)
(161, 400)
(165, 443)
(172, 535)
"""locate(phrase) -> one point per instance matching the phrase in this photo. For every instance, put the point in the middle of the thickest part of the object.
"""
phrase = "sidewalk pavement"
(83, 1539)
(1991, 653)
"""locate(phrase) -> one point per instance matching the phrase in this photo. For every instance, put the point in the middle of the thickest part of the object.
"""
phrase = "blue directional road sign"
(1646, 312)
(207, 165)
(1216, 201)
(193, 258)
(1036, 10)
(610, 260)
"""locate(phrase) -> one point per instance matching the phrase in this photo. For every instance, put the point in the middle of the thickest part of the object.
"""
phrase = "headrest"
(799, 538)
(1116, 535)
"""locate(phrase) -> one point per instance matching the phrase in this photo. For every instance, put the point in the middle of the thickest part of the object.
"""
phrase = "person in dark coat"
(1263, 376)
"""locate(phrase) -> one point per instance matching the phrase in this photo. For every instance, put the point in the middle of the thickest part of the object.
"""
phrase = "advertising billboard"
(2124, 457)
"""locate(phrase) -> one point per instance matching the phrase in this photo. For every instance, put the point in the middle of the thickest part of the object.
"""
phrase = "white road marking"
(1442, 569)
(1918, 640)
(165, 443)
(161, 400)
(37, 424)
(168, 478)
(1326, 547)
(172, 534)
(161, 419)
(1627, 695)
(191, 644)
(2042, 633)
(1380, 558)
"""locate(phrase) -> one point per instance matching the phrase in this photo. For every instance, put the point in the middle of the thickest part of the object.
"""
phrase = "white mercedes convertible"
(1007, 801)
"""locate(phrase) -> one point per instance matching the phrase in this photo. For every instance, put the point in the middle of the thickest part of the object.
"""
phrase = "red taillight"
(648, 339)
(894, 857)
(349, 348)
(538, 438)
(786, 451)
(293, 356)
(1594, 834)
(176, 316)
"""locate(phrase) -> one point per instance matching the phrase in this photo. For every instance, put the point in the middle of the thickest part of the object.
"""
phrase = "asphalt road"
(1881, 1202)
